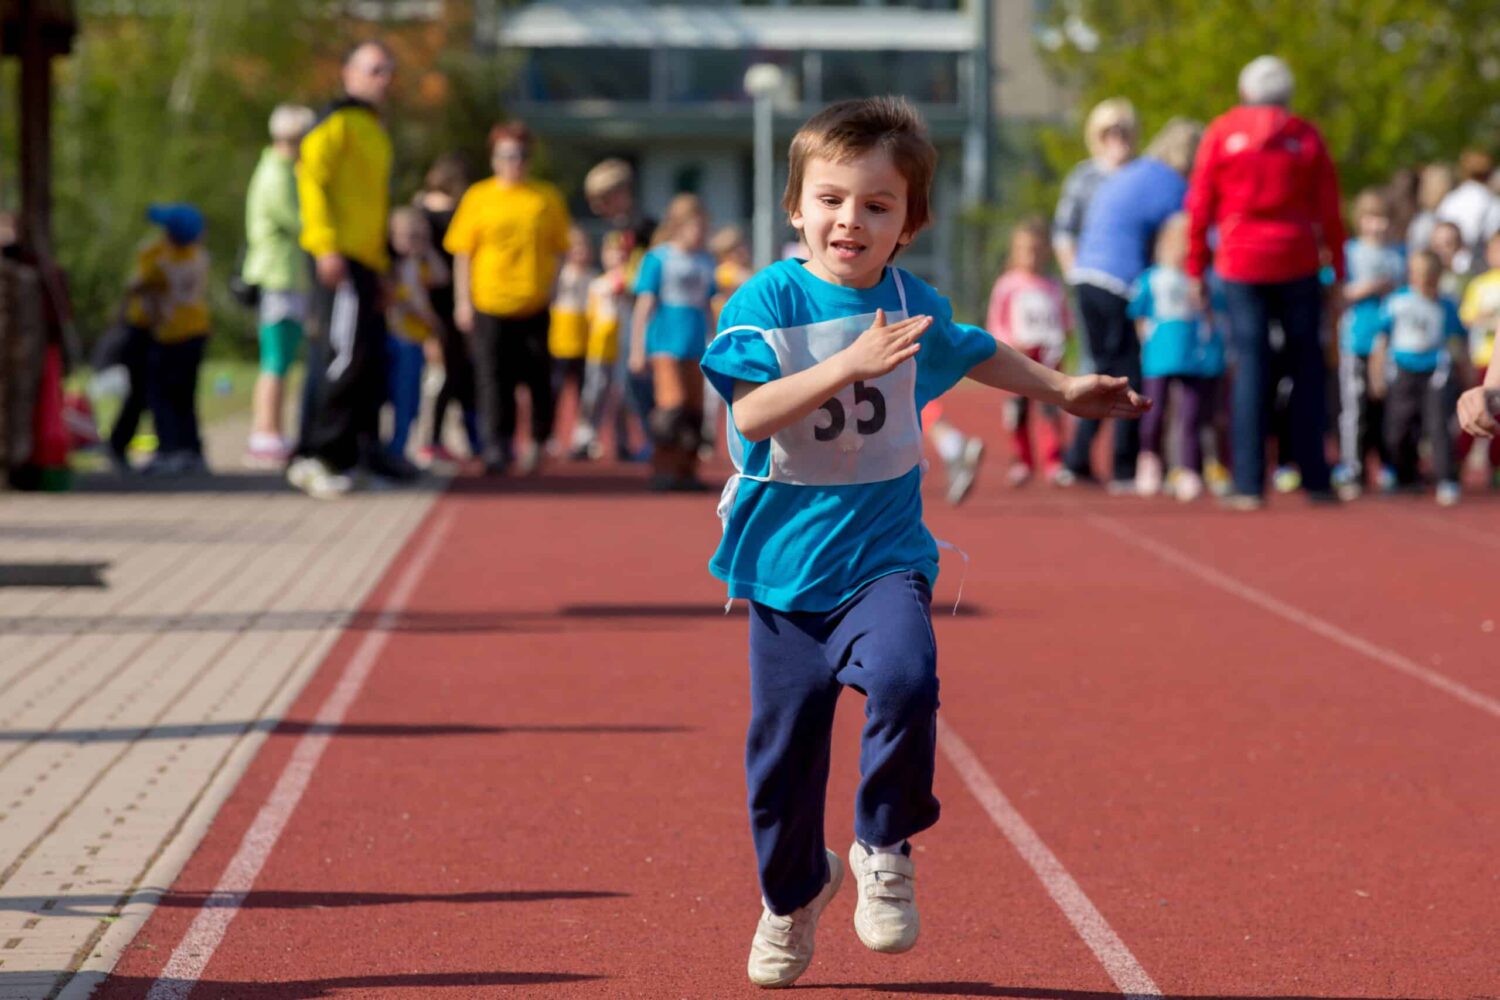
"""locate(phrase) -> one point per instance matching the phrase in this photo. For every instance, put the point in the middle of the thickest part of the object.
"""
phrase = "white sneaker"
(1148, 474)
(885, 916)
(318, 481)
(963, 470)
(1448, 493)
(1189, 486)
(783, 946)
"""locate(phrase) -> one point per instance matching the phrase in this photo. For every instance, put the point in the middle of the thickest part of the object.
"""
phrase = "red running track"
(1231, 731)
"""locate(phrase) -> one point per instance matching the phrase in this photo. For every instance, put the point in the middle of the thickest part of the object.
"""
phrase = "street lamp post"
(763, 83)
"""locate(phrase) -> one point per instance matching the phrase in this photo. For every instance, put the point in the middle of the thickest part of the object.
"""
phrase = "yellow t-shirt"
(569, 333)
(407, 316)
(1482, 296)
(514, 236)
(606, 308)
(171, 296)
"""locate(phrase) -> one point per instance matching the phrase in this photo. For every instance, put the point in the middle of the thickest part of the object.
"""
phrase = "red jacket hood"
(1260, 123)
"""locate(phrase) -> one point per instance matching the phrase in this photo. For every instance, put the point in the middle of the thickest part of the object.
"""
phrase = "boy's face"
(1492, 252)
(1026, 251)
(1446, 241)
(580, 254)
(407, 237)
(1373, 226)
(1424, 276)
(852, 216)
(612, 256)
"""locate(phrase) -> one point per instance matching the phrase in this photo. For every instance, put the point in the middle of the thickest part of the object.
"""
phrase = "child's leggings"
(1020, 414)
(404, 364)
(880, 643)
(1193, 405)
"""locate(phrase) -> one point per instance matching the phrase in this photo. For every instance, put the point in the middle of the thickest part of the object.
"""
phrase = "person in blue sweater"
(825, 364)
(1119, 233)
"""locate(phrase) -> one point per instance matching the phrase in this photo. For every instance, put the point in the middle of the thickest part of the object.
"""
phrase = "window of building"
(925, 77)
(587, 74)
(718, 75)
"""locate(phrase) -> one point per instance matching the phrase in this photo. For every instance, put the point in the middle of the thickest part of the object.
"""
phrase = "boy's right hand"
(881, 348)
(1478, 410)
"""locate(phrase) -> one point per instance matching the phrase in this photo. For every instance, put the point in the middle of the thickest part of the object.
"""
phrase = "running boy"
(1429, 364)
(826, 363)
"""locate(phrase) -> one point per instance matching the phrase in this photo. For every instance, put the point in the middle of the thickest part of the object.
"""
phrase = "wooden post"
(36, 134)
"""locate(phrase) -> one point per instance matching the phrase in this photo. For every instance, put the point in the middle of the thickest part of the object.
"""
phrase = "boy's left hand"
(1096, 397)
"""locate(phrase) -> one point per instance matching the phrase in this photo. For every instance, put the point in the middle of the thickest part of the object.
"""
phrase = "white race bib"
(1416, 326)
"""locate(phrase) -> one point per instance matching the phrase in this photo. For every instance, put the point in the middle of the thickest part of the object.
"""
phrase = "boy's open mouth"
(846, 249)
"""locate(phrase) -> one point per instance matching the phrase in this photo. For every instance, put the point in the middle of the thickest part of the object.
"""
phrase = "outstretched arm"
(1091, 396)
(763, 408)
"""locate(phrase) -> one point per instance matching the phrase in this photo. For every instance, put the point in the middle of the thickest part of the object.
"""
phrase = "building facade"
(662, 85)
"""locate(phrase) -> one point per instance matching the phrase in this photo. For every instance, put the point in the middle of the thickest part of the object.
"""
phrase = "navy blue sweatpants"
(880, 643)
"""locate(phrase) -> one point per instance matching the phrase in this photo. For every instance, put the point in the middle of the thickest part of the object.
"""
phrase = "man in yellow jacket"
(343, 187)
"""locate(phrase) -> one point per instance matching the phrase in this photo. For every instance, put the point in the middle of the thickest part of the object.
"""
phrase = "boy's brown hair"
(848, 129)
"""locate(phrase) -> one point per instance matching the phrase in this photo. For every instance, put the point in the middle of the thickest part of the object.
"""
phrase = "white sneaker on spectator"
(885, 915)
(1448, 493)
(782, 947)
(1148, 474)
(318, 481)
(1189, 486)
(963, 470)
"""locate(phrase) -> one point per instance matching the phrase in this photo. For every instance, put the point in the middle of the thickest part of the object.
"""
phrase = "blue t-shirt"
(1420, 329)
(683, 284)
(1361, 322)
(1119, 230)
(1178, 340)
(798, 547)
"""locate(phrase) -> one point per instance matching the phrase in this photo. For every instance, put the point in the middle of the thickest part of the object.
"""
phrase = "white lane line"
(192, 955)
(1318, 626)
(1118, 962)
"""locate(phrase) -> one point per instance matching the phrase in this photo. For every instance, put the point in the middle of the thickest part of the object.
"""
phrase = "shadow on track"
(954, 988)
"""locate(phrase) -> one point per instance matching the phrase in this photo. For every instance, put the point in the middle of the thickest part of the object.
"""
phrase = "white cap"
(1266, 80)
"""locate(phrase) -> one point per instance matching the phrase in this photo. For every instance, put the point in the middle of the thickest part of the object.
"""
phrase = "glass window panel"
(587, 74)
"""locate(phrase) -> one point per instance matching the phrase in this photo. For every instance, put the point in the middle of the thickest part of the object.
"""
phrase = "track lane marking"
(203, 937)
(1318, 626)
(1112, 953)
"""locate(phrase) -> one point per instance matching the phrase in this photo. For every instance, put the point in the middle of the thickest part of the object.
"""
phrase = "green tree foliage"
(169, 102)
(1391, 83)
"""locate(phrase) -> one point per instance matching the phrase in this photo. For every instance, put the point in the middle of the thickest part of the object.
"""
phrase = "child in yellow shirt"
(567, 340)
(168, 296)
(410, 319)
(608, 304)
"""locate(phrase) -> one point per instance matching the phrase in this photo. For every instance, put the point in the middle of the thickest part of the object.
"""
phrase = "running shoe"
(1216, 476)
(885, 915)
(782, 947)
(1242, 502)
(1188, 486)
(1286, 479)
(1148, 474)
(963, 470)
(1448, 493)
(1019, 474)
(1120, 488)
(1389, 483)
(318, 481)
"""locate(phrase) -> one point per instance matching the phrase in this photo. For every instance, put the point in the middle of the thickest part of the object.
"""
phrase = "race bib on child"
(1416, 325)
(1035, 319)
(867, 433)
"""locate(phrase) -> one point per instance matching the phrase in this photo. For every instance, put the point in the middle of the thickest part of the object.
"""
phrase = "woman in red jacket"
(1263, 178)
